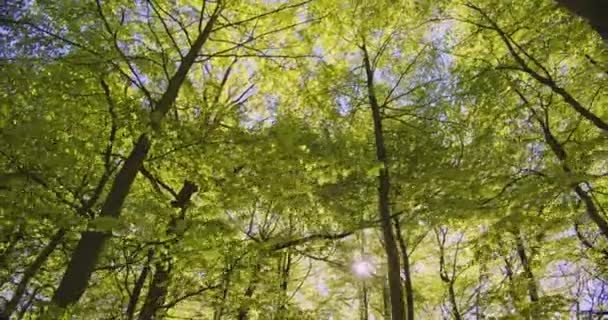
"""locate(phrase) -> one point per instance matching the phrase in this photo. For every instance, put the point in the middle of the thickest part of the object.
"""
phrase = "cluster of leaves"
(225, 160)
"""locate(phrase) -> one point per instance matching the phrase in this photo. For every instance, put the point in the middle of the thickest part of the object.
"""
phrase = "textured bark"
(390, 245)
(139, 284)
(31, 271)
(594, 11)
(157, 293)
(84, 258)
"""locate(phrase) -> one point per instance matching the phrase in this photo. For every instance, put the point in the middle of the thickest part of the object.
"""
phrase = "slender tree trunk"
(364, 303)
(594, 11)
(525, 263)
(386, 300)
(284, 270)
(390, 245)
(560, 153)
(443, 274)
(157, 293)
(31, 271)
(139, 284)
(84, 258)
(453, 302)
(409, 289)
(219, 311)
(244, 309)
(515, 301)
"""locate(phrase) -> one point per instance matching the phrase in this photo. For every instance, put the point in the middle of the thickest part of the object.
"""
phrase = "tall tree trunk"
(157, 293)
(84, 258)
(219, 310)
(409, 289)
(139, 284)
(390, 246)
(525, 263)
(31, 271)
(594, 11)
(244, 308)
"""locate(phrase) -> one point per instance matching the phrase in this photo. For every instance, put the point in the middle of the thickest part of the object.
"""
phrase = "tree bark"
(84, 258)
(244, 308)
(219, 311)
(594, 11)
(525, 263)
(31, 271)
(139, 284)
(155, 299)
(560, 153)
(157, 293)
(394, 270)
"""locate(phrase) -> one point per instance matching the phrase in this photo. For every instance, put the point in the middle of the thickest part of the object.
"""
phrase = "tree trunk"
(443, 274)
(594, 11)
(31, 271)
(394, 270)
(155, 299)
(525, 263)
(84, 258)
(364, 303)
(409, 289)
(157, 293)
(139, 284)
(244, 308)
(561, 155)
(219, 311)
(284, 272)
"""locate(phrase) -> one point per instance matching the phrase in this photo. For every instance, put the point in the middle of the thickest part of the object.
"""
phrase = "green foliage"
(273, 125)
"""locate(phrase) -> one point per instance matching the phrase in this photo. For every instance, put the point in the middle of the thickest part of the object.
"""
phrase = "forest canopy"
(307, 159)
